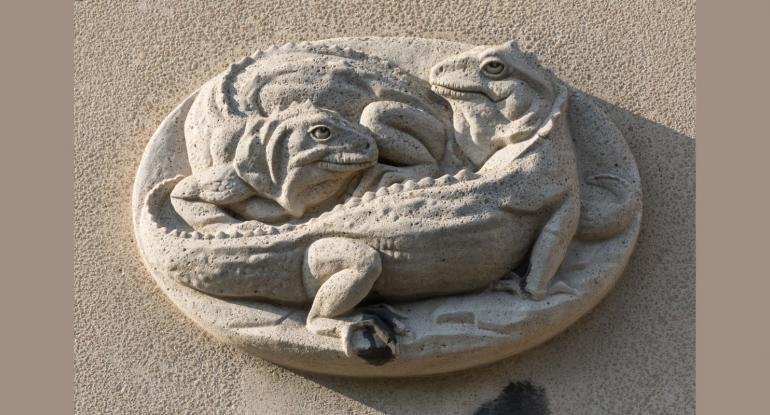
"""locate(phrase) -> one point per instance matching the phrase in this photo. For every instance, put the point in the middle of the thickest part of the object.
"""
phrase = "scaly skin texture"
(451, 235)
(265, 262)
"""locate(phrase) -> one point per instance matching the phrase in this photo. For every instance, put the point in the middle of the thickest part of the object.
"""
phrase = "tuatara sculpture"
(269, 224)
(455, 234)
(411, 240)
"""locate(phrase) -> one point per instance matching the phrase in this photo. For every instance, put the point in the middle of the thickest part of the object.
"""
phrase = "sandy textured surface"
(135, 353)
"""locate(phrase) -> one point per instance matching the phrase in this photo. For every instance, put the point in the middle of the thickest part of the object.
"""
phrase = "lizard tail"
(153, 204)
(602, 217)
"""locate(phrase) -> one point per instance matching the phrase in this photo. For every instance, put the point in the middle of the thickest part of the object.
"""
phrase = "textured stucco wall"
(134, 61)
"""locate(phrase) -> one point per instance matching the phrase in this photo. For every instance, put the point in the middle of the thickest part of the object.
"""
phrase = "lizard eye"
(320, 133)
(493, 68)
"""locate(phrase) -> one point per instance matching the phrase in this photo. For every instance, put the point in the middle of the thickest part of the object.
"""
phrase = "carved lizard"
(295, 160)
(412, 124)
(451, 235)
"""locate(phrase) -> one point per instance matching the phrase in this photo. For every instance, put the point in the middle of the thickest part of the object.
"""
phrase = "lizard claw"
(557, 288)
(537, 295)
(562, 288)
(374, 337)
(388, 318)
(370, 339)
(511, 283)
(389, 314)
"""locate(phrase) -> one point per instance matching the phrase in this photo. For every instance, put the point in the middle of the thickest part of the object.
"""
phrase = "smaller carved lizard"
(499, 99)
(295, 160)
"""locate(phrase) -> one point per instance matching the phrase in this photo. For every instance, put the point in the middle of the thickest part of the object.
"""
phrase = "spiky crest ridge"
(227, 90)
(162, 189)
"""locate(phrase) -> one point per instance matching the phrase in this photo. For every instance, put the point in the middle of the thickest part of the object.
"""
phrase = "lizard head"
(303, 156)
(497, 97)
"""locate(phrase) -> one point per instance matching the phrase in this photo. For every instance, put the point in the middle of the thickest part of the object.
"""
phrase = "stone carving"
(340, 207)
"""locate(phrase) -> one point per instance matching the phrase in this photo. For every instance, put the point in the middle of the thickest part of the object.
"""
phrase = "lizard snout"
(445, 71)
(437, 70)
(368, 149)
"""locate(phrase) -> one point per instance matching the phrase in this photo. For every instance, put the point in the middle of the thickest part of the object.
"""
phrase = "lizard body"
(412, 124)
(417, 239)
(411, 240)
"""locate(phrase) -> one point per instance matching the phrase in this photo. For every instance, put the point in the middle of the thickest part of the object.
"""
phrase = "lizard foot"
(374, 337)
(364, 335)
(389, 315)
(557, 288)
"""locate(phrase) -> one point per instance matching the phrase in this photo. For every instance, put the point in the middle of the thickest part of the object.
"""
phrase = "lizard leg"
(199, 198)
(410, 140)
(551, 247)
(338, 273)
(406, 134)
(202, 216)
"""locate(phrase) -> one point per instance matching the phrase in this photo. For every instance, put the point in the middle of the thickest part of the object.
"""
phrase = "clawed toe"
(370, 333)
(372, 340)
(381, 328)
(374, 337)
(557, 288)
(537, 295)
(562, 288)
(512, 283)
(389, 317)
(374, 350)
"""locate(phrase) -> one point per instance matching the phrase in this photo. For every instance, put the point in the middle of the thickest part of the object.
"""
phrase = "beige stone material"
(273, 205)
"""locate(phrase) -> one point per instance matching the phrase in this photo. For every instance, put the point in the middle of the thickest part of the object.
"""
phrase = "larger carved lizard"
(455, 234)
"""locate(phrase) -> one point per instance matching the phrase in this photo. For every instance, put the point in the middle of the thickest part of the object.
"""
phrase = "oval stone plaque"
(386, 207)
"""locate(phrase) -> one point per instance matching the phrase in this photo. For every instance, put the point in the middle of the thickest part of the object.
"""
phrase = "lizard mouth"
(346, 162)
(457, 91)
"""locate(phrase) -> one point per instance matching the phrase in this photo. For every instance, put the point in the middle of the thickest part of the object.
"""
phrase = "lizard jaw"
(342, 167)
(457, 93)
(463, 92)
(346, 162)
